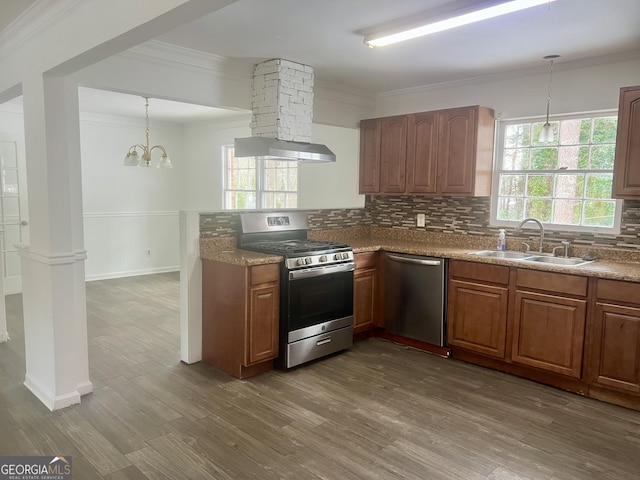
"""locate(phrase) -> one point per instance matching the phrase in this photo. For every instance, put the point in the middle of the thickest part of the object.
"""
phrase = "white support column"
(190, 288)
(54, 295)
(4, 333)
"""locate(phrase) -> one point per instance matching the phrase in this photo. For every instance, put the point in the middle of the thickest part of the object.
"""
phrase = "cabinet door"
(626, 171)
(422, 142)
(370, 156)
(548, 332)
(393, 154)
(477, 318)
(456, 150)
(615, 360)
(364, 299)
(262, 324)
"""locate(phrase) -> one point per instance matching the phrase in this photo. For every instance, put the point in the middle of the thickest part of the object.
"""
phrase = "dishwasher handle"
(431, 263)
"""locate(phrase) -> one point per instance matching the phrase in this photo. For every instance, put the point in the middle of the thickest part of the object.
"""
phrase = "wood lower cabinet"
(615, 343)
(240, 317)
(262, 330)
(626, 171)
(616, 347)
(365, 297)
(548, 332)
(549, 320)
(477, 307)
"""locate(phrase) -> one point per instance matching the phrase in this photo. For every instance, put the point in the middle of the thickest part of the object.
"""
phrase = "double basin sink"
(533, 258)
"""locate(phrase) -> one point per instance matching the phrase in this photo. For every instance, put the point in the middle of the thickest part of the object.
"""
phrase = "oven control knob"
(323, 258)
(345, 256)
(308, 260)
(300, 261)
(337, 256)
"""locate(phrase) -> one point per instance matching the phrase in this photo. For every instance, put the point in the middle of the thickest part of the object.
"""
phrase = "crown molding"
(40, 16)
(155, 51)
(537, 70)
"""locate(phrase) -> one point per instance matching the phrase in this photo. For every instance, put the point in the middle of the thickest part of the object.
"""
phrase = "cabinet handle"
(323, 342)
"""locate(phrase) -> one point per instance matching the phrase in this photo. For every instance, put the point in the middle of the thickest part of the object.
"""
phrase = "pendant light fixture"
(134, 160)
(546, 134)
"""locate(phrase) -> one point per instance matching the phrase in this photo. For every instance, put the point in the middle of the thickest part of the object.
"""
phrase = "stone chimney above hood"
(282, 105)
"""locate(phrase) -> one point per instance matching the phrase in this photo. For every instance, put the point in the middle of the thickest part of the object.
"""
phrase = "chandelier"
(133, 159)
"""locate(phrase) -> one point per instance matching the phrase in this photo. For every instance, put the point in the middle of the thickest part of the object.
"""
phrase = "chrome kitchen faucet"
(537, 222)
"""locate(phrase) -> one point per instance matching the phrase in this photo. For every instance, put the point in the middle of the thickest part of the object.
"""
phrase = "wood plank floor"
(378, 411)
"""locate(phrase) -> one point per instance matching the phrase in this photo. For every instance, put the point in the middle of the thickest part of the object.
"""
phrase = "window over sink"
(251, 183)
(565, 183)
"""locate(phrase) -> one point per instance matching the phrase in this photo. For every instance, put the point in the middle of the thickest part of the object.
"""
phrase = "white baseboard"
(4, 337)
(130, 273)
(51, 401)
(85, 388)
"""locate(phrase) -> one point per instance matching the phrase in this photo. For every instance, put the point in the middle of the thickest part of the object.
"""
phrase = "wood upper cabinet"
(240, 317)
(615, 347)
(477, 307)
(422, 143)
(626, 171)
(444, 152)
(365, 298)
(548, 322)
(465, 151)
(370, 156)
(393, 154)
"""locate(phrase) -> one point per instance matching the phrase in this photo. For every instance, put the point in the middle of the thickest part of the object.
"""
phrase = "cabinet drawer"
(479, 271)
(552, 282)
(265, 273)
(365, 260)
(627, 292)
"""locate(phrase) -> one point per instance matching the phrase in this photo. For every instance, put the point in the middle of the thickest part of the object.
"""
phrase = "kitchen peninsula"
(591, 327)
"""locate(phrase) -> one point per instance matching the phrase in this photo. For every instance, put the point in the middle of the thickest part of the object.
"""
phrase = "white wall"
(203, 146)
(332, 185)
(129, 210)
(323, 185)
(576, 88)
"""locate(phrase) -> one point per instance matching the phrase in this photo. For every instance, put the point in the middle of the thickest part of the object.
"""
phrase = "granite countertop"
(612, 264)
(615, 270)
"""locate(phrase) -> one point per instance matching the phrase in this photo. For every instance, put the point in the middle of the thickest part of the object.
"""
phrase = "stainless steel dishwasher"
(415, 297)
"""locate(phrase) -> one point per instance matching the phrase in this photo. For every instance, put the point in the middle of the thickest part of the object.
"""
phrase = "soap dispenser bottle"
(502, 240)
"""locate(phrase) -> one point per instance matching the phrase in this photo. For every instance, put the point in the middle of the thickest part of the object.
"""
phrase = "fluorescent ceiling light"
(380, 40)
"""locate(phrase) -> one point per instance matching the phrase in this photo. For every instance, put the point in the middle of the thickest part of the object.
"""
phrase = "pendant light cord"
(549, 89)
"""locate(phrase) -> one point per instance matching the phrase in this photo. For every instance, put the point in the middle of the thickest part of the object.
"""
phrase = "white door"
(13, 209)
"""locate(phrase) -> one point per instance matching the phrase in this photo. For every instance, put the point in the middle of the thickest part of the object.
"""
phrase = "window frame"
(496, 171)
(260, 190)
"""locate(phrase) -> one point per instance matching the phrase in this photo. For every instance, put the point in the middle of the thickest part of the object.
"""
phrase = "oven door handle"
(319, 271)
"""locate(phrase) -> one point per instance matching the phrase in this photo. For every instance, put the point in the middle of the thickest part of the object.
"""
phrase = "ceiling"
(327, 35)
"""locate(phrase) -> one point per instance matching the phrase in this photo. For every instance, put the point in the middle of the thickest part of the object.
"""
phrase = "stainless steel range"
(316, 285)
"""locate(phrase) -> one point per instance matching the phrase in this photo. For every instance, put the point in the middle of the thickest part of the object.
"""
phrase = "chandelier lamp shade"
(143, 157)
(546, 134)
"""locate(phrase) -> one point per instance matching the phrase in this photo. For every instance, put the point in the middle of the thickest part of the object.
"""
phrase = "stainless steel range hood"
(282, 114)
(272, 148)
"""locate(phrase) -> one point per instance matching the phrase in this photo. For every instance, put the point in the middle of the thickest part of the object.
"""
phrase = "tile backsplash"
(470, 216)
(450, 215)
(224, 224)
